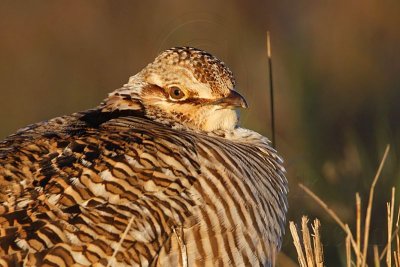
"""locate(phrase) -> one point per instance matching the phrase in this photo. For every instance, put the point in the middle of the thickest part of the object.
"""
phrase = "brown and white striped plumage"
(145, 179)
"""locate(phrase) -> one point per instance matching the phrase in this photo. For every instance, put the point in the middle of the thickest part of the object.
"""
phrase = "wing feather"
(70, 187)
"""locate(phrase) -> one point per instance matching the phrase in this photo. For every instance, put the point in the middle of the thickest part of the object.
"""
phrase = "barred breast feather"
(116, 189)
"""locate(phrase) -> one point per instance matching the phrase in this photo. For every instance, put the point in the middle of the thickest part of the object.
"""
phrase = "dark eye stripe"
(154, 90)
(196, 101)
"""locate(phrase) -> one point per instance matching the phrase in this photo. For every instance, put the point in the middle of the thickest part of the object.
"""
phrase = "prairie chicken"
(159, 174)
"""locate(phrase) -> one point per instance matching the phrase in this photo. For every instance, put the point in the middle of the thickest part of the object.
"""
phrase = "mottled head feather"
(205, 67)
(205, 82)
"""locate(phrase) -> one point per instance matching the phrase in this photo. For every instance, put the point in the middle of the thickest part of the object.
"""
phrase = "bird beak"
(234, 99)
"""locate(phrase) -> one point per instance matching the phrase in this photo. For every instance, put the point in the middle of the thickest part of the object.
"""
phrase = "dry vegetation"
(310, 253)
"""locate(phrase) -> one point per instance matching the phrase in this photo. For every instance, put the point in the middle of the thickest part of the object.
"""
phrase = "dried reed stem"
(182, 247)
(397, 253)
(307, 242)
(358, 229)
(331, 213)
(348, 251)
(390, 211)
(318, 248)
(396, 259)
(395, 232)
(369, 207)
(297, 244)
(313, 252)
(361, 256)
(376, 256)
(111, 262)
(394, 235)
(271, 89)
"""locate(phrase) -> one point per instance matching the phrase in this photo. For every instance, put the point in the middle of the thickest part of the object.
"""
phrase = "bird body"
(158, 175)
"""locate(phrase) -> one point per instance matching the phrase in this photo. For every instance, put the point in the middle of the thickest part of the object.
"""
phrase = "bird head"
(182, 87)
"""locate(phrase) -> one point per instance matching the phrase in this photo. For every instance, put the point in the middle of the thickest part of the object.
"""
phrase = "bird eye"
(176, 93)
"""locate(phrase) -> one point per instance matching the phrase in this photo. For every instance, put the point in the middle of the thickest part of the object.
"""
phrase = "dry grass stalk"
(348, 251)
(369, 207)
(361, 256)
(297, 244)
(312, 255)
(318, 249)
(331, 213)
(395, 232)
(396, 260)
(307, 242)
(396, 253)
(358, 228)
(182, 247)
(390, 211)
(376, 257)
(111, 262)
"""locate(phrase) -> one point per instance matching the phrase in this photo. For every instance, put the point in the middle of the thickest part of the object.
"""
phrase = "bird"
(158, 174)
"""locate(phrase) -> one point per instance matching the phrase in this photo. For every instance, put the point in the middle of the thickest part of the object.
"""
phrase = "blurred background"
(335, 66)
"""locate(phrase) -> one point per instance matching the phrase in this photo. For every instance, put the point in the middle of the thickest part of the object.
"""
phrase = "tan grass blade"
(333, 214)
(397, 252)
(369, 207)
(350, 242)
(307, 242)
(376, 257)
(390, 211)
(358, 229)
(348, 251)
(111, 262)
(318, 248)
(313, 252)
(271, 90)
(394, 235)
(296, 241)
(396, 259)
